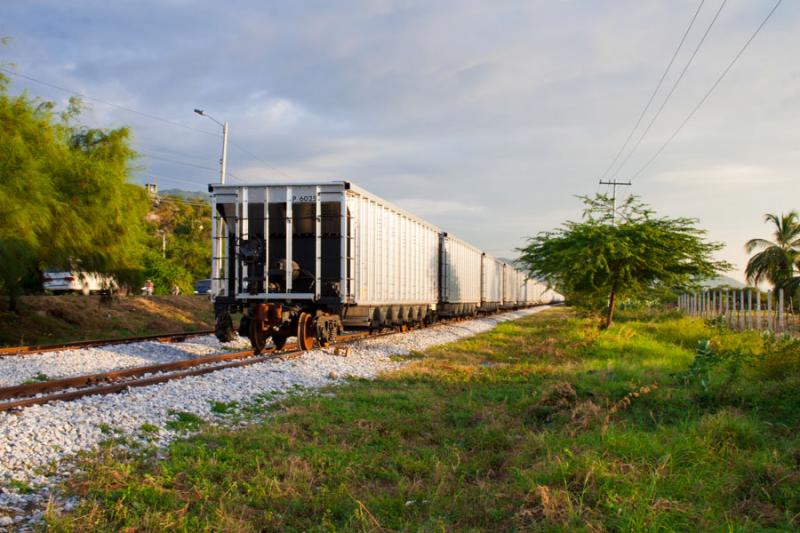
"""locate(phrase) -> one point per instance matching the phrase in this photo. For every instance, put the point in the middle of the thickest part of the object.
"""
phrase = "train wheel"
(257, 337)
(279, 341)
(305, 332)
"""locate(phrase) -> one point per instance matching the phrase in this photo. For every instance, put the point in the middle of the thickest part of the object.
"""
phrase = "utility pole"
(224, 159)
(614, 184)
(223, 162)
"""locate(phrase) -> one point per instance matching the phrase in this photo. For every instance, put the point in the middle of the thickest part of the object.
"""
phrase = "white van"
(75, 281)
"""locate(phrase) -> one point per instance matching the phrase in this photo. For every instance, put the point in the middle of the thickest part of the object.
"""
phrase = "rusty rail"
(74, 345)
(119, 380)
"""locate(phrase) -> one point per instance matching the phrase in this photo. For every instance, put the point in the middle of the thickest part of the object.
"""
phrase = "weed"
(184, 421)
(148, 429)
(20, 486)
(224, 408)
(38, 378)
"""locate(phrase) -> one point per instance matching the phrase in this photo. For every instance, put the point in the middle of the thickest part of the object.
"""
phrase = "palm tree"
(776, 261)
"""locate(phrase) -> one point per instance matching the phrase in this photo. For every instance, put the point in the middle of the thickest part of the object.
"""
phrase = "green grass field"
(543, 424)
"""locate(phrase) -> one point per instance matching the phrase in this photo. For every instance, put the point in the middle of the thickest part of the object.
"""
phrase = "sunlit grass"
(545, 423)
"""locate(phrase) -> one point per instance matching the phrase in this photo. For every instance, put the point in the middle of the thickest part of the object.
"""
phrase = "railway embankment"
(544, 423)
(39, 443)
(63, 318)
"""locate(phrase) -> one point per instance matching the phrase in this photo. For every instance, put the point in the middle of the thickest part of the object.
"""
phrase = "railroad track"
(75, 345)
(72, 388)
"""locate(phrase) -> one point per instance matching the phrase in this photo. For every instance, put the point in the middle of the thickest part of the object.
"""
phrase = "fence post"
(741, 308)
(713, 306)
(749, 309)
(728, 306)
(781, 318)
(758, 309)
(702, 304)
(770, 325)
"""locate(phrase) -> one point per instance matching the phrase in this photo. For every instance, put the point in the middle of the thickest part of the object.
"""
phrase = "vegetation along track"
(75, 345)
(19, 396)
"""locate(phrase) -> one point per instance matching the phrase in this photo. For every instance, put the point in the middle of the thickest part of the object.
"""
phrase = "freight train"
(309, 260)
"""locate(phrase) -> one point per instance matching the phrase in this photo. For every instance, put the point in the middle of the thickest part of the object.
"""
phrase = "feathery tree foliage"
(186, 224)
(779, 260)
(64, 196)
(611, 254)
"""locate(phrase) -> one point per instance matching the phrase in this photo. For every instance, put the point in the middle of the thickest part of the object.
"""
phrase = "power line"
(711, 90)
(160, 176)
(655, 91)
(141, 113)
(672, 89)
(177, 162)
(105, 102)
(254, 156)
(144, 148)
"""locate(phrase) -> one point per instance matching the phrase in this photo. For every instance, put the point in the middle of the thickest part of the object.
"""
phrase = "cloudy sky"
(486, 118)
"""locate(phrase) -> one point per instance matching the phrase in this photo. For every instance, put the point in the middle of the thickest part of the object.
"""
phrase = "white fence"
(741, 308)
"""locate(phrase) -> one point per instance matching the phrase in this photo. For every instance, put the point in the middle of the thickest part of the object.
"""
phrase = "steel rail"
(37, 393)
(75, 345)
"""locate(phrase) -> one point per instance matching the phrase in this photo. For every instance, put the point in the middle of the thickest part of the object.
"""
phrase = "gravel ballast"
(15, 370)
(44, 437)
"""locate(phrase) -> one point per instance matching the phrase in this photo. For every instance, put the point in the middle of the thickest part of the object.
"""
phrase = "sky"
(485, 118)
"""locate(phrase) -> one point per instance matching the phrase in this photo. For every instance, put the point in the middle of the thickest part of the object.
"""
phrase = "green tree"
(185, 227)
(611, 254)
(64, 196)
(777, 260)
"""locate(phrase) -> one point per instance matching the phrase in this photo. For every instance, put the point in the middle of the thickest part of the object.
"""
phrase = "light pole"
(217, 223)
(223, 161)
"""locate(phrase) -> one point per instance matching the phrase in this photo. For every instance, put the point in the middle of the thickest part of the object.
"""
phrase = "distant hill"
(724, 281)
(186, 195)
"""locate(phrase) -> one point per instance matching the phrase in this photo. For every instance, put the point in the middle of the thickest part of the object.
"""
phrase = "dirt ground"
(52, 319)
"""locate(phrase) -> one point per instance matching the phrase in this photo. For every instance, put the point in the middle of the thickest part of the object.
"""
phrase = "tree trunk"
(612, 304)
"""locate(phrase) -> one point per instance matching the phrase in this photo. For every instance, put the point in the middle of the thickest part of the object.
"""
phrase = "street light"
(223, 161)
(217, 223)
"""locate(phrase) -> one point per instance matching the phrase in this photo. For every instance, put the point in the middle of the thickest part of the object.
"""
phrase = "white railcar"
(350, 258)
(510, 286)
(491, 284)
(460, 279)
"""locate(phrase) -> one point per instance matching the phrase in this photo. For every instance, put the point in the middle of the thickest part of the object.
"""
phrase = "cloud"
(485, 117)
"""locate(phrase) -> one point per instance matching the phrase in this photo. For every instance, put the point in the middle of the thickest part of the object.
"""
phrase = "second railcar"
(491, 284)
(460, 277)
(510, 287)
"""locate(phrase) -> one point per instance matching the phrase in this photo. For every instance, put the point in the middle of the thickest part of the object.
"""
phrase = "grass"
(543, 424)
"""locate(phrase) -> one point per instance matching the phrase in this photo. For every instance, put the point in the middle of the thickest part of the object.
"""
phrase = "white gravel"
(15, 370)
(45, 437)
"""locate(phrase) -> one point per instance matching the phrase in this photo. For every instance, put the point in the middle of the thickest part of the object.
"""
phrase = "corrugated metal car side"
(492, 287)
(395, 256)
(461, 271)
(509, 284)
